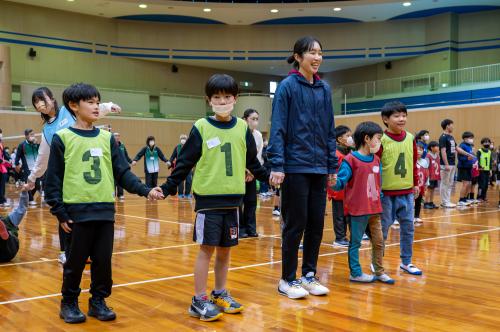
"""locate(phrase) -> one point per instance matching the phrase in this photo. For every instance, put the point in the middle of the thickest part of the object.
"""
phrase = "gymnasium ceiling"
(248, 12)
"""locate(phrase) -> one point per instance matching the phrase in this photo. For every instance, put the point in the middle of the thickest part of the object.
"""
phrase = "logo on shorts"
(234, 233)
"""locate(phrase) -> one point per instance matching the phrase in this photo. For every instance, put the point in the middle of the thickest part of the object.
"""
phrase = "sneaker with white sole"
(311, 284)
(365, 237)
(341, 243)
(417, 220)
(204, 309)
(62, 258)
(411, 269)
(292, 289)
(449, 205)
(395, 224)
(364, 278)
(462, 204)
(276, 212)
(5, 205)
(385, 279)
(32, 203)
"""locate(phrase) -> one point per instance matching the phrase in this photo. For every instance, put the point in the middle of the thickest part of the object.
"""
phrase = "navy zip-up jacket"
(302, 136)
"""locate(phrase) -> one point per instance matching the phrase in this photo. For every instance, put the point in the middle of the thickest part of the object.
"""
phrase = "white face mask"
(375, 148)
(152, 143)
(223, 110)
(426, 138)
(350, 141)
(183, 141)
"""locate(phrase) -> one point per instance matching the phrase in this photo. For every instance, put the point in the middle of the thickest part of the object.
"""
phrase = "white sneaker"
(462, 204)
(396, 222)
(32, 203)
(311, 284)
(62, 258)
(449, 205)
(417, 220)
(471, 201)
(293, 289)
(6, 204)
(276, 213)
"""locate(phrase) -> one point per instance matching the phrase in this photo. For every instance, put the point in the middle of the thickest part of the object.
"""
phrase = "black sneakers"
(99, 309)
(71, 313)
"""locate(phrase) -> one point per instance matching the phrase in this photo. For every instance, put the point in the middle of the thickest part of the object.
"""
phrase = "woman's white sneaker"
(292, 289)
(311, 284)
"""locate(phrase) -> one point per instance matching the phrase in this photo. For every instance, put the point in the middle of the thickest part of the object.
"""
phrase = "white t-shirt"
(259, 142)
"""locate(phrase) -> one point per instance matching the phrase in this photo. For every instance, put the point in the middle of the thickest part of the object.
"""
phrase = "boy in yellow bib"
(398, 155)
(222, 148)
(84, 164)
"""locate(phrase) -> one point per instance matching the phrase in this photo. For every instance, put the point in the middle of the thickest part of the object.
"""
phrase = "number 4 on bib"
(400, 168)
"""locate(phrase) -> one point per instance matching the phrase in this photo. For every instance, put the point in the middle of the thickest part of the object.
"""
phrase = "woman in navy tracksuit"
(301, 152)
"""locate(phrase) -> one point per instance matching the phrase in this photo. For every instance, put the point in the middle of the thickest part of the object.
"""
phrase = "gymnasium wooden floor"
(458, 250)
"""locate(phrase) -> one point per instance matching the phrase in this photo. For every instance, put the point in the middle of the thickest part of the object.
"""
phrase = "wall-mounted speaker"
(175, 69)
(388, 65)
(32, 53)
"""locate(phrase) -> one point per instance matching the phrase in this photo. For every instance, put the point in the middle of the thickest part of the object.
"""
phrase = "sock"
(276, 207)
(200, 297)
(471, 195)
(218, 292)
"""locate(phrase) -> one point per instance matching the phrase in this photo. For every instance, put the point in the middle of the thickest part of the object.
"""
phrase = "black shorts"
(217, 228)
(433, 184)
(464, 174)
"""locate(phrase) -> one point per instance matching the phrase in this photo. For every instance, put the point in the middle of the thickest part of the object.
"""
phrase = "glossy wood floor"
(458, 250)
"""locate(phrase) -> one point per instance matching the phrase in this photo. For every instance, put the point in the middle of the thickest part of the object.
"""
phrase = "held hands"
(332, 180)
(28, 186)
(155, 194)
(248, 176)
(133, 163)
(449, 167)
(169, 164)
(66, 227)
(276, 178)
(416, 191)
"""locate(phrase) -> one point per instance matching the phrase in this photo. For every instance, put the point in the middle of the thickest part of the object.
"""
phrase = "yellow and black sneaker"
(204, 309)
(226, 302)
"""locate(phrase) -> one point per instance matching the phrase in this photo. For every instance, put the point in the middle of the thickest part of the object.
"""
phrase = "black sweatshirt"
(86, 211)
(125, 152)
(191, 153)
(174, 156)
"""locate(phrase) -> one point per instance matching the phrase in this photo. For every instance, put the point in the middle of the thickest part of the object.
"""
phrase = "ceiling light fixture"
(407, 4)
(143, 6)
(337, 9)
(207, 10)
(274, 11)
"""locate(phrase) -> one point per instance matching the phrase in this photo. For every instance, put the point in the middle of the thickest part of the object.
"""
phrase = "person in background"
(26, 156)
(485, 164)
(465, 168)
(152, 155)
(423, 138)
(123, 149)
(4, 172)
(184, 189)
(434, 175)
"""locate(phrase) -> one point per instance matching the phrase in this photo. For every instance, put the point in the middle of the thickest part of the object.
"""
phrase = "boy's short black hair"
(27, 132)
(367, 128)
(485, 140)
(467, 134)
(445, 123)
(221, 83)
(393, 107)
(78, 92)
(341, 130)
(433, 144)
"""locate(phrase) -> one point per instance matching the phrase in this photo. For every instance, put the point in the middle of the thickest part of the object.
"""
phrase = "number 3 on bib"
(400, 168)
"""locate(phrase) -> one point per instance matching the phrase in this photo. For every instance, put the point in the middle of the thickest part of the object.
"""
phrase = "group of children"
(379, 178)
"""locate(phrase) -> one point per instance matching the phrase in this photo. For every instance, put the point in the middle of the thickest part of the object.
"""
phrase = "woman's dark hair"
(78, 92)
(421, 134)
(150, 138)
(27, 132)
(303, 45)
(40, 95)
(249, 112)
(221, 83)
(391, 108)
(467, 134)
(341, 130)
(367, 128)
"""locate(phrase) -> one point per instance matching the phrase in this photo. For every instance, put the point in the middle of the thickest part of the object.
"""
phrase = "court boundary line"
(141, 282)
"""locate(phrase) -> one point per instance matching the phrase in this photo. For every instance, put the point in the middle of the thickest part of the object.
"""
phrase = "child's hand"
(65, 226)
(134, 163)
(115, 108)
(28, 186)
(332, 180)
(156, 194)
(416, 191)
(248, 176)
(276, 178)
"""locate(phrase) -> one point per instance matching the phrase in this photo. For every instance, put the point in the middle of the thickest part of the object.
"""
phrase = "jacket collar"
(317, 79)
